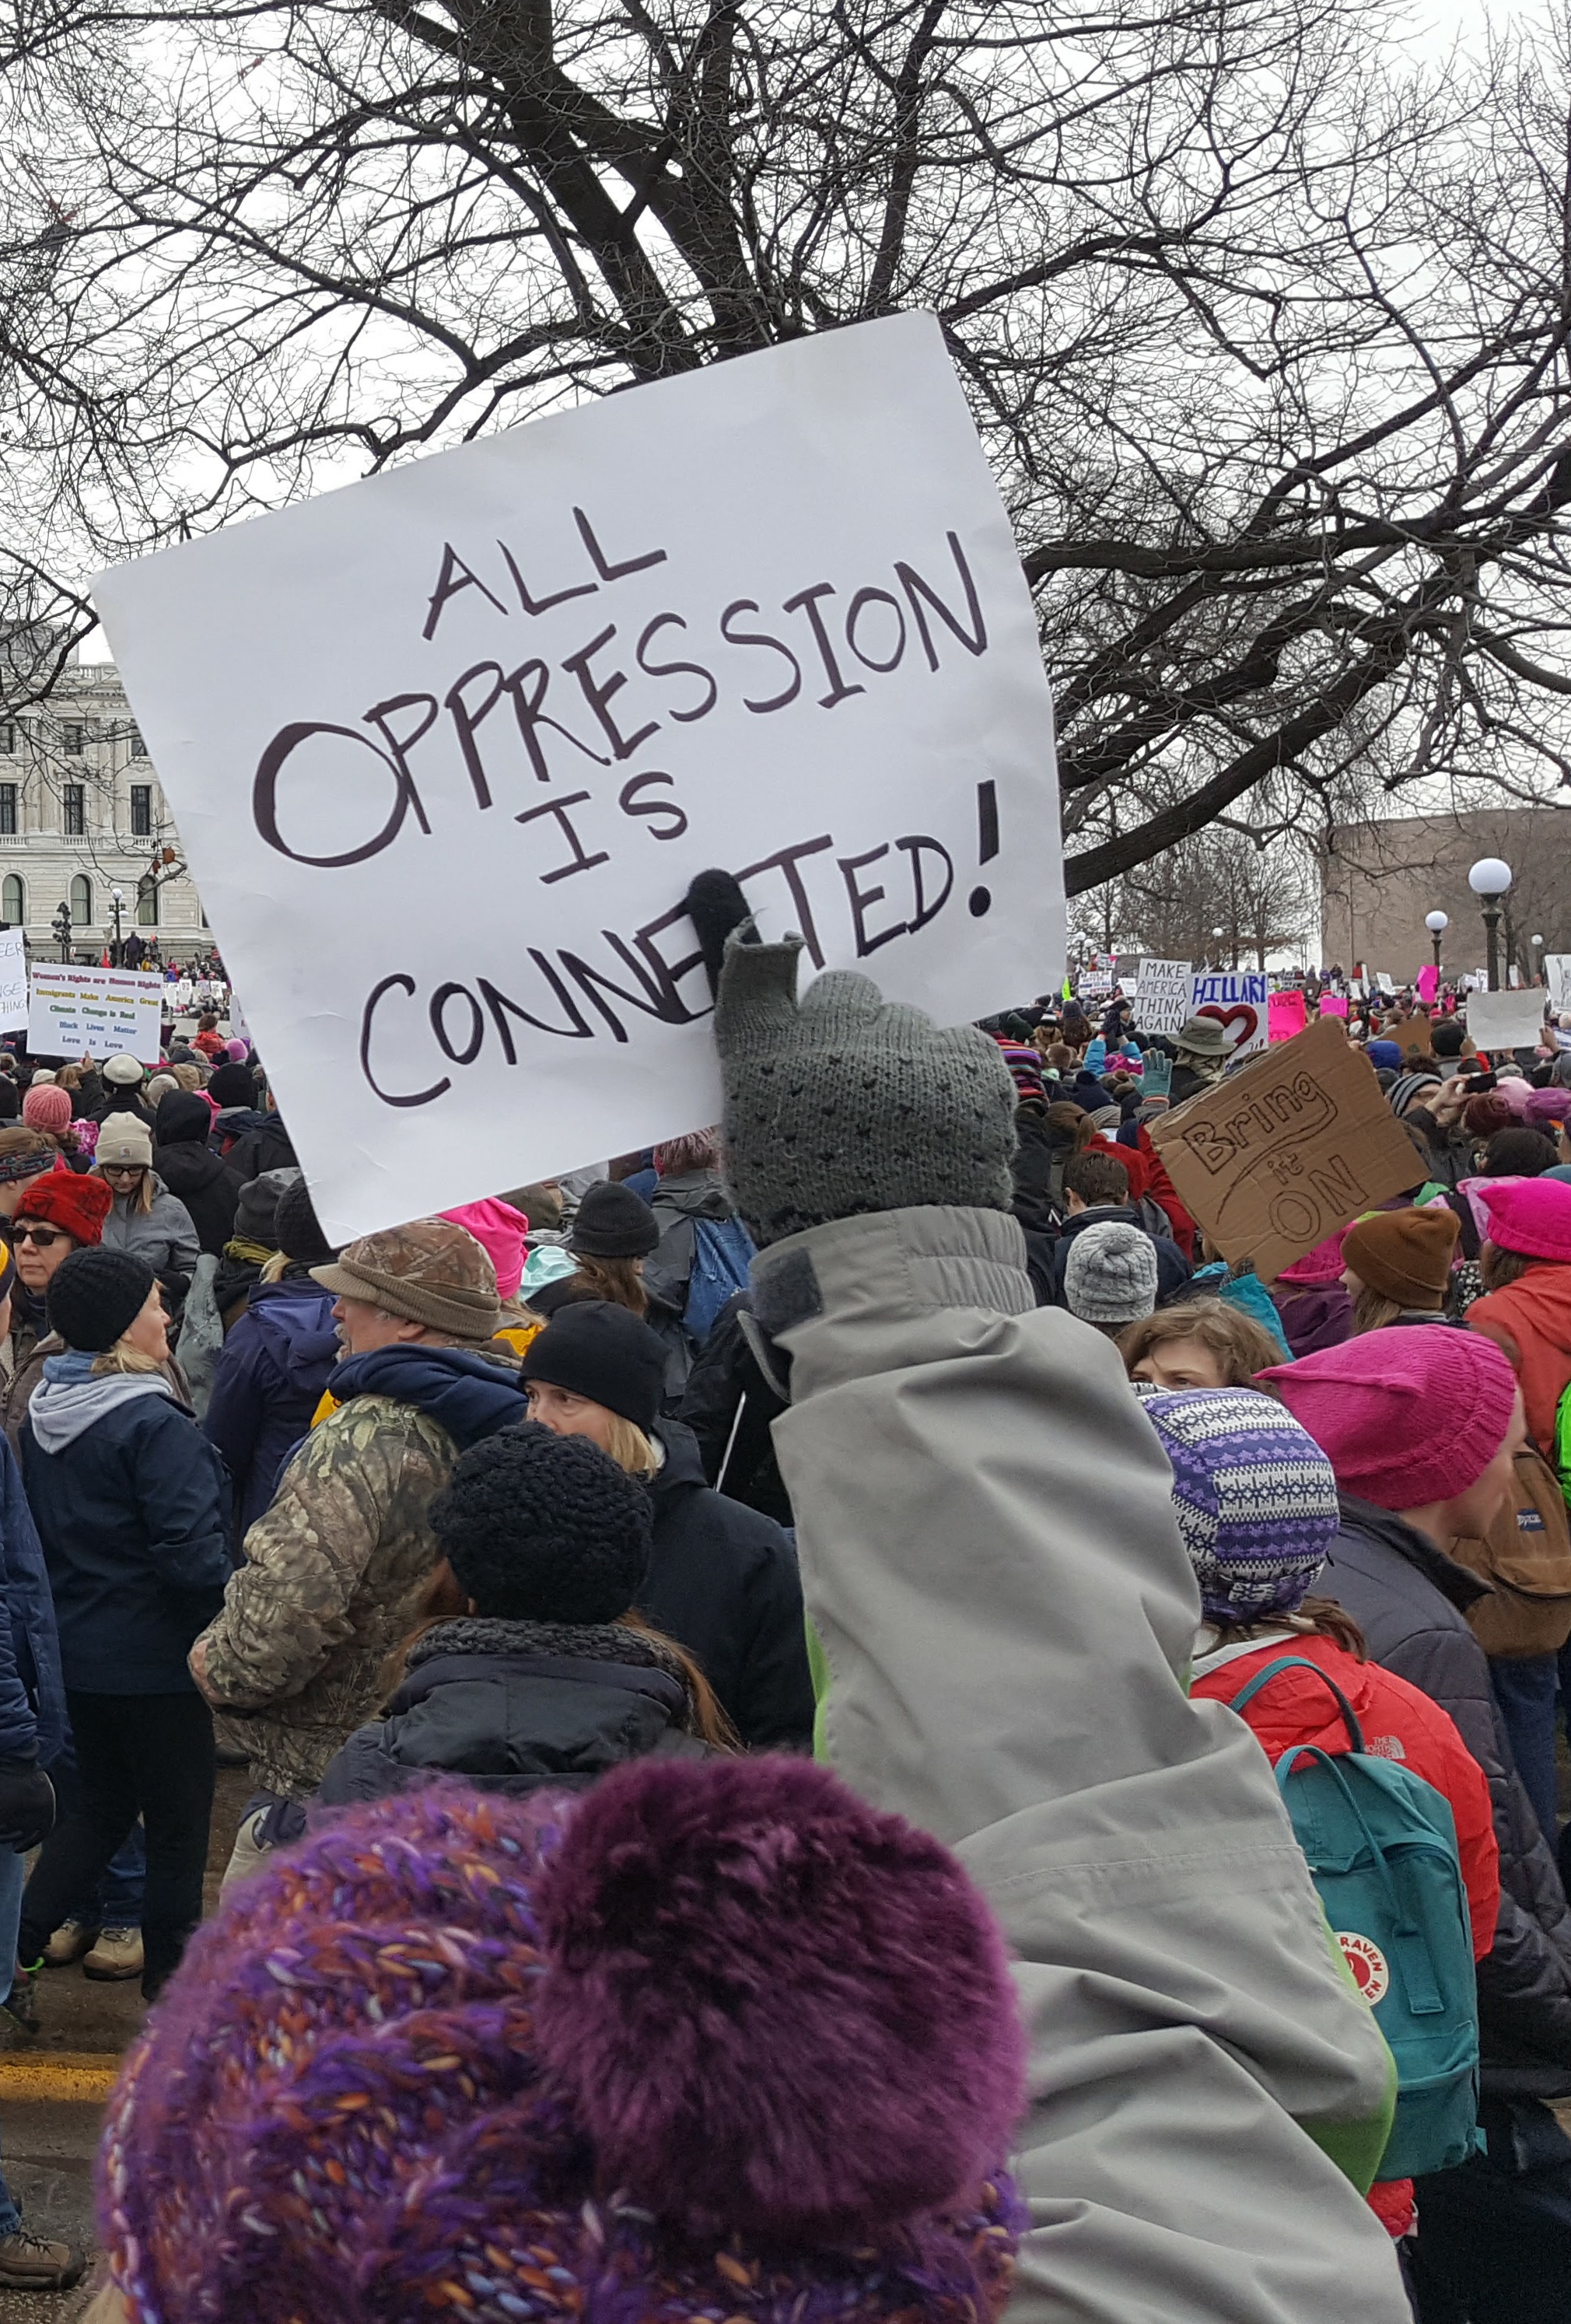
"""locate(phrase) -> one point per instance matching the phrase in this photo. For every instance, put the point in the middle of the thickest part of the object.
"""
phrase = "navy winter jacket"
(472, 1396)
(33, 1703)
(272, 1370)
(722, 1582)
(132, 1504)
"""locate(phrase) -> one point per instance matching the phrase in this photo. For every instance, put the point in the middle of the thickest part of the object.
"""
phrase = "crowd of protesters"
(529, 1555)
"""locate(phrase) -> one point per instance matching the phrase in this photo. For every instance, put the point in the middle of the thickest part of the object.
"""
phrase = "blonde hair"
(123, 1358)
(274, 1267)
(631, 1449)
(189, 1077)
(1241, 1346)
(144, 1192)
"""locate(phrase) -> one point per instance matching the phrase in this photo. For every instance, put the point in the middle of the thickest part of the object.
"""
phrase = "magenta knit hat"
(47, 1108)
(1545, 1107)
(501, 1231)
(1528, 1216)
(717, 2040)
(1406, 1416)
(1321, 1265)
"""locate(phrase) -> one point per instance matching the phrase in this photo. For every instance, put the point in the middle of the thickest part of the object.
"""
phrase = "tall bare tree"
(1267, 338)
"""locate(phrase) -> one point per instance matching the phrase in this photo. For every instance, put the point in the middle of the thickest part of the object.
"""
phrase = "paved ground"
(51, 2090)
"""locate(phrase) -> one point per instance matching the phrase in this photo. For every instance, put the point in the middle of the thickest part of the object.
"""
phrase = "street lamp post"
(1538, 945)
(1489, 879)
(1436, 923)
(1216, 940)
(115, 899)
(62, 930)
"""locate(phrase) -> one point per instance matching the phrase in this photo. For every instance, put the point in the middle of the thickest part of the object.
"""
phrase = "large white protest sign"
(1164, 995)
(13, 981)
(1557, 975)
(1239, 1000)
(445, 749)
(95, 1012)
(1506, 1020)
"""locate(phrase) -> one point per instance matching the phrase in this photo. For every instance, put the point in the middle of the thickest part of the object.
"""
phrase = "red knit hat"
(1531, 1216)
(1405, 1416)
(78, 1206)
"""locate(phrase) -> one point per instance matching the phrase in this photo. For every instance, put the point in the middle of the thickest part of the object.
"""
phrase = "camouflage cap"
(430, 1271)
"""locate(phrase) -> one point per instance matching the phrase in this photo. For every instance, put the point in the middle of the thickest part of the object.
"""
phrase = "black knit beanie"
(614, 1222)
(604, 1352)
(297, 1229)
(543, 1528)
(233, 1084)
(96, 1295)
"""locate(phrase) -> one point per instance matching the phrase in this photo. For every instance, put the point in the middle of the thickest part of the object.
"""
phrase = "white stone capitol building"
(82, 815)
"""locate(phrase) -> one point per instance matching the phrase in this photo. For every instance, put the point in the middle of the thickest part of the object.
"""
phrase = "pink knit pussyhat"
(500, 1230)
(1405, 1417)
(47, 1108)
(714, 2041)
(1321, 1265)
(1531, 1216)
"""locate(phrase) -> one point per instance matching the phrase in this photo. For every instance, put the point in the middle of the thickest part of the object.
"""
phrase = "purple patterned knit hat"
(716, 2041)
(1254, 1496)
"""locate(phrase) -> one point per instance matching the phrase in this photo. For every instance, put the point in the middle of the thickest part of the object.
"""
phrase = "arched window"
(12, 901)
(147, 904)
(81, 902)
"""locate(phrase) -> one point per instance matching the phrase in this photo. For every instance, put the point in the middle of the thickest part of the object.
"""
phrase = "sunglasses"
(45, 1237)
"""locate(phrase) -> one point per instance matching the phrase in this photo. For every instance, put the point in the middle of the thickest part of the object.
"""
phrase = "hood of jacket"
(470, 1395)
(62, 1410)
(682, 1470)
(696, 1193)
(235, 1122)
(1456, 1584)
(294, 1319)
(188, 1167)
(1540, 1299)
(1319, 1316)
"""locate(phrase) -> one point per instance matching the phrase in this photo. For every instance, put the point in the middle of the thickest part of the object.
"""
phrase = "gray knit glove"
(844, 1103)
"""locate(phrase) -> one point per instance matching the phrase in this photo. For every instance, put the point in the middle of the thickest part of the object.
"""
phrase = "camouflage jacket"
(325, 1595)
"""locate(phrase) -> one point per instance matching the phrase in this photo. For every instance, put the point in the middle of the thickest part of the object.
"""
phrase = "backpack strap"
(1301, 1662)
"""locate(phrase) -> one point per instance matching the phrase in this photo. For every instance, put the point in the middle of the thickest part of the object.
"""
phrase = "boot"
(116, 1955)
(30, 2263)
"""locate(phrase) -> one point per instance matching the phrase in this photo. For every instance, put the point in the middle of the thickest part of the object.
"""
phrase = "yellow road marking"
(57, 2074)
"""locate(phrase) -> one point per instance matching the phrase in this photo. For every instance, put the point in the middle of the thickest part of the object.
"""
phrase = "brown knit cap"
(1404, 1255)
(430, 1271)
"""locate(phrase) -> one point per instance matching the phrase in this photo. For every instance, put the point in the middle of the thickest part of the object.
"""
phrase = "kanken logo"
(1368, 1963)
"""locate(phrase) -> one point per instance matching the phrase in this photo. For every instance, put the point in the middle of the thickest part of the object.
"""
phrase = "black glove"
(26, 1804)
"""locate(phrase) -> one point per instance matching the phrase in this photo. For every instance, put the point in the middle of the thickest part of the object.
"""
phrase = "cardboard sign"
(1239, 1001)
(1279, 1156)
(1412, 1036)
(13, 981)
(1506, 1020)
(445, 748)
(1286, 1016)
(1164, 995)
(96, 1012)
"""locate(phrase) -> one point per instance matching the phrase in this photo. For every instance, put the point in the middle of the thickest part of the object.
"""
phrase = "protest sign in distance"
(1239, 1001)
(1506, 1020)
(1333, 1004)
(1285, 1016)
(1557, 976)
(445, 748)
(95, 1012)
(1164, 995)
(1279, 1156)
(14, 981)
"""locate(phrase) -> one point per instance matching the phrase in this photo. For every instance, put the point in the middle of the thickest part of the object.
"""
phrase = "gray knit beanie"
(1110, 1275)
(844, 1103)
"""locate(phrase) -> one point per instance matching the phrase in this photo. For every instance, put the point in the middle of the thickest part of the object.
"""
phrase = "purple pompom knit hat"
(1254, 1496)
(715, 2041)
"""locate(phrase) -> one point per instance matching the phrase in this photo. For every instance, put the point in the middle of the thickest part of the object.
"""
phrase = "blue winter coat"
(271, 1374)
(132, 1504)
(32, 1702)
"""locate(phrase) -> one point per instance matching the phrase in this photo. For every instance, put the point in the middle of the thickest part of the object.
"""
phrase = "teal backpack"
(1381, 1848)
